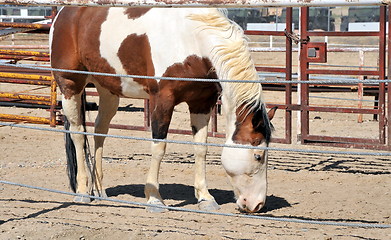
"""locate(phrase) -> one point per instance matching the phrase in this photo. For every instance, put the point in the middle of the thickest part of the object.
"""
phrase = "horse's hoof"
(101, 194)
(82, 199)
(208, 205)
(156, 209)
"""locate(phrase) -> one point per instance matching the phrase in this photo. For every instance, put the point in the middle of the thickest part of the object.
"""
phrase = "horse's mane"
(232, 59)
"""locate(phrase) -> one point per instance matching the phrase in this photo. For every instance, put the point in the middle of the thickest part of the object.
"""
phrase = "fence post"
(360, 89)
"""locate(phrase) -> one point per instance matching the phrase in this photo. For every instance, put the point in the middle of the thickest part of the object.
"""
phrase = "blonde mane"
(232, 59)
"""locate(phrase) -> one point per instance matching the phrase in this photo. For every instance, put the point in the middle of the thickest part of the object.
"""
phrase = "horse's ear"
(271, 113)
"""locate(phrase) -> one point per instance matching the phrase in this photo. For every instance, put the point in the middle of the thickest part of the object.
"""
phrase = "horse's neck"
(232, 61)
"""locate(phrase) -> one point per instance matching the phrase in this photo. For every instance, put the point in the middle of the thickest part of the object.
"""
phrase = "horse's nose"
(258, 207)
(244, 206)
(241, 202)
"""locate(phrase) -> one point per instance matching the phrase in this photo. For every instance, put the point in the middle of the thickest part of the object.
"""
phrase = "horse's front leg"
(199, 125)
(161, 118)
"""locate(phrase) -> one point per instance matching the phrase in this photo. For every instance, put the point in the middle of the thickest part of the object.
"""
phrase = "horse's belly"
(125, 87)
(132, 89)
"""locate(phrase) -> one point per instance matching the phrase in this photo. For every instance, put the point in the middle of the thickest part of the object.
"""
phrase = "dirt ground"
(305, 186)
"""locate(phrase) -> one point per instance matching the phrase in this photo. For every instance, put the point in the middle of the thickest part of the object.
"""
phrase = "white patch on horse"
(166, 49)
(51, 31)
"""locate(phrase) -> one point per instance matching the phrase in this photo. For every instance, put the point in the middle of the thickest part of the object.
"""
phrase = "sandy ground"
(321, 187)
(305, 186)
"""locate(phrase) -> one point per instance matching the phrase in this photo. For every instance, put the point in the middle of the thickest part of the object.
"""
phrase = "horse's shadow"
(92, 106)
(185, 194)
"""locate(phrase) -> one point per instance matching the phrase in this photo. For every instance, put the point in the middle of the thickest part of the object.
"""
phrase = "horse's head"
(246, 168)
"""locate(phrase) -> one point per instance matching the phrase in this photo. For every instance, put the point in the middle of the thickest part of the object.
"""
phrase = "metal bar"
(270, 69)
(265, 33)
(343, 72)
(20, 118)
(388, 122)
(24, 53)
(23, 71)
(25, 97)
(25, 76)
(31, 58)
(8, 31)
(360, 90)
(147, 115)
(342, 110)
(25, 25)
(329, 49)
(304, 75)
(288, 77)
(24, 46)
(53, 103)
(348, 145)
(198, 3)
(22, 81)
(382, 74)
(214, 119)
(343, 34)
(341, 139)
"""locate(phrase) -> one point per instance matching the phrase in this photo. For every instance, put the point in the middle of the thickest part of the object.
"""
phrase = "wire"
(269, 218)
(197, 143)
(334, 81)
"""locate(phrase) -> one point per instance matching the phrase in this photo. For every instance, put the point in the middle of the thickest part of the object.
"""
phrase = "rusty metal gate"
(320, 50)
(316, 52)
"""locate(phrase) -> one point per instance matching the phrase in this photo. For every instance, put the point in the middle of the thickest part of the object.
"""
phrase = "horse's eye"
(257, 157)
(256, 142)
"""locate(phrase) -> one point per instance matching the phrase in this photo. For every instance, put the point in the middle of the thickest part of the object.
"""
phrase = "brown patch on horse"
(136, 59)
(70, 51)
(254, 127)
(200, 96)
(134, 13)
(65, 56)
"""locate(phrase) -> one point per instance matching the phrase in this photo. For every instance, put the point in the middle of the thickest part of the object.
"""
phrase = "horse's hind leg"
(199, 125)
(72, 107)
(108, 105)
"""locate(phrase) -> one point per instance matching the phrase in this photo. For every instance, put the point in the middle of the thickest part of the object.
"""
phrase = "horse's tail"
(71, 150)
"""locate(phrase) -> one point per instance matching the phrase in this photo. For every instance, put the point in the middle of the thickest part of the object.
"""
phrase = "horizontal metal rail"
(25, 76)
(198, 3)
(344, 81)
(25, 25)
(30, 58)
(24, 53)
(24, 46)
(43, 100)
(20, 118)
(238, 146)
(25, 81)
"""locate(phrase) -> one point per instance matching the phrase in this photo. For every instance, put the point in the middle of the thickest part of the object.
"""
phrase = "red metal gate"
(306, 70)
(311, 52)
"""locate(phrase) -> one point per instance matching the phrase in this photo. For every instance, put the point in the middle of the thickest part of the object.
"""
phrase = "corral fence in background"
(316, 52)
(309, 53)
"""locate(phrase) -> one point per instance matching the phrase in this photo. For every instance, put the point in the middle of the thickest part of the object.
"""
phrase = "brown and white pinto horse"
(191, 43)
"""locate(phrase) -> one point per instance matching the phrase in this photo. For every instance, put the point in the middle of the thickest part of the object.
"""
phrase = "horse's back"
(148, 42)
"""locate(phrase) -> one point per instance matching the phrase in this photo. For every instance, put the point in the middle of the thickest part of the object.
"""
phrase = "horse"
(159, 42)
